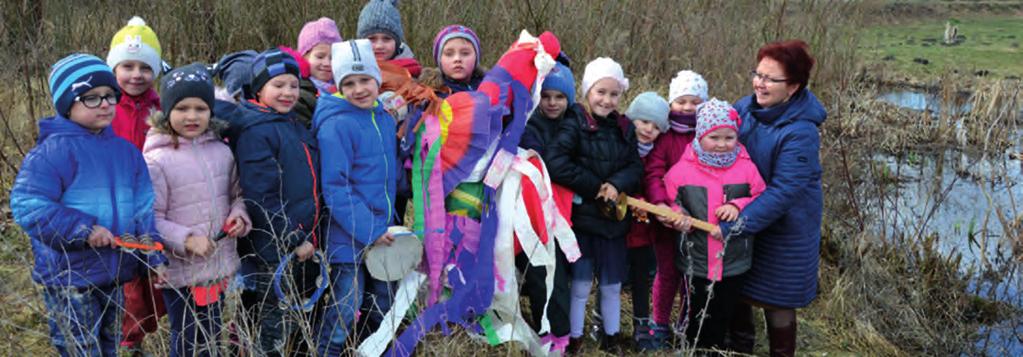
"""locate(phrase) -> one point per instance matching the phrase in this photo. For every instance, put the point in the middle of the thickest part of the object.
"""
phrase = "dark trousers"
(718, 316)
(195, 330)
(641, 263)
(534, 286)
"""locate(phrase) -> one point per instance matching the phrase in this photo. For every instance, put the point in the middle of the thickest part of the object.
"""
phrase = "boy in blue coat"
(359, 177)
(277, 161)
(78, 189)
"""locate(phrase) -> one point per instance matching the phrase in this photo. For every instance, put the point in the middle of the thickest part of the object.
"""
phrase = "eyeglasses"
(94, 101)
(764, 78)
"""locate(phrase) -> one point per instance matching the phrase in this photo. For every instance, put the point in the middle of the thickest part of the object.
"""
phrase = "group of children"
(300, 156)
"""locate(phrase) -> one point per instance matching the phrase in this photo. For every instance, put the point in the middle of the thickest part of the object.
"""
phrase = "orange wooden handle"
(157, 246)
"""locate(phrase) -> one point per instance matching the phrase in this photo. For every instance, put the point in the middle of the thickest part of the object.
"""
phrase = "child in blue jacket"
(277, 161)
(359, 176)
(78, 189)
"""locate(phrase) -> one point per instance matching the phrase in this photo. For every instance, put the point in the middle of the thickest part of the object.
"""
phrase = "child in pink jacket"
(713, 181)
(197, 197)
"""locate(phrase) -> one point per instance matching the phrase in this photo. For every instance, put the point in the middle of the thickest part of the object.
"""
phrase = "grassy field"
(989, 45)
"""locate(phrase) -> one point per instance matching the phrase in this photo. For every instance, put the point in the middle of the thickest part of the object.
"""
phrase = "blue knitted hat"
(76, 74)
(381, 16)
(272, 63)
(561, 79)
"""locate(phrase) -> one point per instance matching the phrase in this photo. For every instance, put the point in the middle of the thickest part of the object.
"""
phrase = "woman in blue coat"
(780, 130)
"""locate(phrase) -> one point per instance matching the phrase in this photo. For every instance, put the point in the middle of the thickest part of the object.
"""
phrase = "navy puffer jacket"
(784, 143)
(278, 162)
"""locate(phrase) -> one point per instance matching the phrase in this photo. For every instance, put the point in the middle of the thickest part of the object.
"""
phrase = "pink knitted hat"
(323, 30)
(715, 114)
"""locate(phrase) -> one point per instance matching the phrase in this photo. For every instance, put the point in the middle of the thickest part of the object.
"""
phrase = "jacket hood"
(58, 125)
(802, 106)
(331, 105)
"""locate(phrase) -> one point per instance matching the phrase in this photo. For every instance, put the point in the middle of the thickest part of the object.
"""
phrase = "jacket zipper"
(380, 137)
(316, 195)
(214, 214)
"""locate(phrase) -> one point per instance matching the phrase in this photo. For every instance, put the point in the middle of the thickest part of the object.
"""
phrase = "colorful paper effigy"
(473, 137)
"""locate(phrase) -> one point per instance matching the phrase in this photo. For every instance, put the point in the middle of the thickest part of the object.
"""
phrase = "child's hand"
(160, 277)
(716, 233)
(727, 212)
(608, 192)
(683, 223)
(239, 227)
(198, 245)
(305, 251)
(100, 237)
(385, 239)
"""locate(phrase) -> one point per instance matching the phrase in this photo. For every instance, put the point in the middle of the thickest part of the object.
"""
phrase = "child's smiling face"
(458, 59)
(646, 131)
(190, 117)
(553, 104)
(604, 96)
(134, 77)
(685, 104)
(280, 93)
(360, 90)
(94, 119)
(319, 63)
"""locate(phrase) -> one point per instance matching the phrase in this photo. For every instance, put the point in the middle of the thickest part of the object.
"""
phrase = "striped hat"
(451, 32)
(272, 63)
(136, 41)
(76, 74)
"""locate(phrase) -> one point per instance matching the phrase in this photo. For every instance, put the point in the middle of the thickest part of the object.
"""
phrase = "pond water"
(960, 196)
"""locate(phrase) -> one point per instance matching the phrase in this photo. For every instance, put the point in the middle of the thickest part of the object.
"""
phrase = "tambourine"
(393, 262)
(321, 283)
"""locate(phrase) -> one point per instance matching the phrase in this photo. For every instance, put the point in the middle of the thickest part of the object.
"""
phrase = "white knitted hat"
(601, 68)
(687, 83)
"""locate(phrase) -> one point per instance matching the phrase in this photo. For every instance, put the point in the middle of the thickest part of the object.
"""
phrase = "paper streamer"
(377, 343)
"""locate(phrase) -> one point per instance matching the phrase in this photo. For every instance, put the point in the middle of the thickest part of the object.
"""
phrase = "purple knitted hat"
(451, 32)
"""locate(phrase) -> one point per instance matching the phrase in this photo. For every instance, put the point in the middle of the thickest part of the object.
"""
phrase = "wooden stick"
(663, 212)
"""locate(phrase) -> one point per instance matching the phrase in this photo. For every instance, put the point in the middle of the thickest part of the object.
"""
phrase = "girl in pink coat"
(713, 181)
(197, 198)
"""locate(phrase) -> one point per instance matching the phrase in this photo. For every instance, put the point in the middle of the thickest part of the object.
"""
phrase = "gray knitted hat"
(381, 16)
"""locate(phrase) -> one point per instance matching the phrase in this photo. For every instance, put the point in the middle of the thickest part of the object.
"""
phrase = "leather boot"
(782, 338)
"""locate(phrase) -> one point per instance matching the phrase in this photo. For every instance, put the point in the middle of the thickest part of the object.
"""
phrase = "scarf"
(715, 159)
(682, 123)
(644, 149)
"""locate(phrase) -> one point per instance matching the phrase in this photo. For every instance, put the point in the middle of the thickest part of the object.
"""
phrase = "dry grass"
(877, 296)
